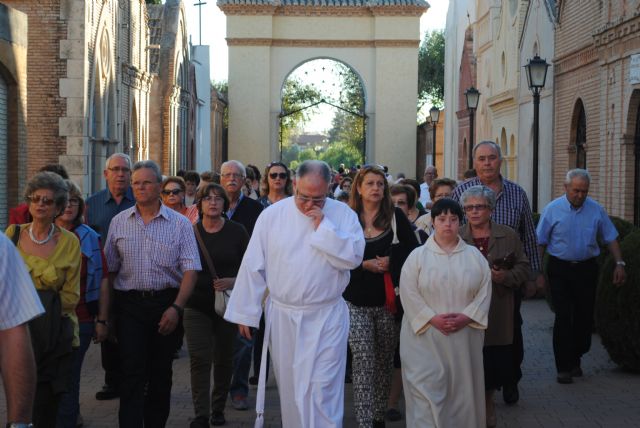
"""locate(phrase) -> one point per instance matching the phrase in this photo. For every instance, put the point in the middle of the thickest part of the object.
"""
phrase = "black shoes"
(218, 419)
(199, 422)
(564, 378)
(510, 393)
(393, 415)
(107, 393)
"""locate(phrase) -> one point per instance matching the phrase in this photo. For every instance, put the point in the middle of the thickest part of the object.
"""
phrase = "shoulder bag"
(221, 297)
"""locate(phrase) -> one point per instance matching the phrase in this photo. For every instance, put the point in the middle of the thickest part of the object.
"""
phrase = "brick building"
(597, 100)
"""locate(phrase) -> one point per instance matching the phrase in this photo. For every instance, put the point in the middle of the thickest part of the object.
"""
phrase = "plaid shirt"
(512, 209)
(150, 256)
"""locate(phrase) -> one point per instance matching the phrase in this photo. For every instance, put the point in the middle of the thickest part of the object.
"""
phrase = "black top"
(247, 213)
(226, 249)
(367, 288)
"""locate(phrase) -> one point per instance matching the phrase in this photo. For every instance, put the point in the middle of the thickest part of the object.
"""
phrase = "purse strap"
(205, 253)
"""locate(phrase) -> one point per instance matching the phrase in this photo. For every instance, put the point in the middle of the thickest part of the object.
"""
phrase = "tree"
(342, 152)
(431, 69)
(347, 125)
(295, 97)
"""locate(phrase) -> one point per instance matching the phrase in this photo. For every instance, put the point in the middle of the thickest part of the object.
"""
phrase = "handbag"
(221, 297)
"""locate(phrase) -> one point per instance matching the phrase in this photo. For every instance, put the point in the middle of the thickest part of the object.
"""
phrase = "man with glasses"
(245, 211)
(302, 251)
(100, 208)
(512, 209)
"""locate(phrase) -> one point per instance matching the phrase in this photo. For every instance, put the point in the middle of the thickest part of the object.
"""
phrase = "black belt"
(147, 294)
(575, 262)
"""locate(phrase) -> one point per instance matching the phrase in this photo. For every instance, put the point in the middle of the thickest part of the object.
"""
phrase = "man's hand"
(316, 216)
(222, 284)
(245, 331)
(101, 334)
(456, 322)
(498, 275)
(619, 275)
(439, 322)
(169, 321)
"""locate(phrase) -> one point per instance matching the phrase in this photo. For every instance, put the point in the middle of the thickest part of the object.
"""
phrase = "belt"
(147, 294)
(575, 262)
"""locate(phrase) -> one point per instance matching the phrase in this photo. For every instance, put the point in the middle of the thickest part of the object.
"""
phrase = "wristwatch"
(103, 322)
(178, 309)
(19, 425)
(621, 263)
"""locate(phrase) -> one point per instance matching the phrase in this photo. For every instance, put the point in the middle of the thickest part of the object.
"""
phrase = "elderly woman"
(440, 188)
(276, 184)
(372, 333)
(501, 246)
(210, 338)
(93, 286)
(445, 289)
(52, 256)
(173, 196)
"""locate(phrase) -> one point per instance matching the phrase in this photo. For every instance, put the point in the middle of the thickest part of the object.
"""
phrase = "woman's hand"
(498, 275)
(222, 284)
(377, 265)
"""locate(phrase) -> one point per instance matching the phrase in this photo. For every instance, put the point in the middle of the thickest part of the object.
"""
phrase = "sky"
(214, 30)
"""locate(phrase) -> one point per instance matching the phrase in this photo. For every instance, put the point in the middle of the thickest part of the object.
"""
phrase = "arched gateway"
(378, 39)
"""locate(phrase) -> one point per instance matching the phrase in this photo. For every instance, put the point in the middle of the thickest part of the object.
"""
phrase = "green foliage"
(154, 1)
(618, 308)
(431, 69)
(342, 152)
(222, 86)
(295, 97)
(348, 126)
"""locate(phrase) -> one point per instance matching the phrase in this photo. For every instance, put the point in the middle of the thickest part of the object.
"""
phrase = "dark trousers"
(257, 350)
(517, 347)
(573, 290)
(146, 357)
(110, 356)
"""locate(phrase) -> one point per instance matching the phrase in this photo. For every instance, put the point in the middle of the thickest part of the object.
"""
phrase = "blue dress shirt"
(573, 234)
(101, 208)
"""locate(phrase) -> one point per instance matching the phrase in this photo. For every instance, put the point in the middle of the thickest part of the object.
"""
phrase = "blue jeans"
(69, 406)
(241, 365)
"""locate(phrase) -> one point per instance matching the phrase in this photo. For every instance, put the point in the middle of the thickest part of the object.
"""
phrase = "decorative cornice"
(316, 10)
(383, 43)
(247, 9)
(616, 30)
(502, 100)
(135, 78)
(574, 60)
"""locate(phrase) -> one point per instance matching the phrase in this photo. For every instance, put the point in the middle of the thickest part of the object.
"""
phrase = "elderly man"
(302, 251)
(569, 229)
(19, 303)
(153, 257)
(245, 211)
(430, 174)
(100, 208)
(512, 209)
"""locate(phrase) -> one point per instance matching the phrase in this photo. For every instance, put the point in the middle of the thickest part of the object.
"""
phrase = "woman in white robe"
(445, 288)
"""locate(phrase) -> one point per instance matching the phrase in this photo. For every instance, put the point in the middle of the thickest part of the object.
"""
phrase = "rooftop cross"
(200, 4)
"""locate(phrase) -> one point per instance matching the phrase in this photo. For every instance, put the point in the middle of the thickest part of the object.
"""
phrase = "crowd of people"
(323, 276)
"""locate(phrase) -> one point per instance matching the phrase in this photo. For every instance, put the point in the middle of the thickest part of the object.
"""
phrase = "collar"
(128, 194)
(164, 212)
(433, 246)
(570, 206)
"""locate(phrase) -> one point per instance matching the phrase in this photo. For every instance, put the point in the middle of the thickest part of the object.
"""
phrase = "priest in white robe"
(301, 252)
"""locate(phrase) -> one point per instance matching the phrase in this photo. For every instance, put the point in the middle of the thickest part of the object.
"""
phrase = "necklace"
(45, 240)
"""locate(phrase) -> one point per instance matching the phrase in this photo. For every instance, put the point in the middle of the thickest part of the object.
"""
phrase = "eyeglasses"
(479, 207)
(281, 175)
(213, 199)
(231, 175)
(73, 202)
(314, 201)
(171, 192)
(119, 169)
(36, 199)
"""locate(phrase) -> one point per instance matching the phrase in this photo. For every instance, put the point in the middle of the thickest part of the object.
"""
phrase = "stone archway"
(379, 40)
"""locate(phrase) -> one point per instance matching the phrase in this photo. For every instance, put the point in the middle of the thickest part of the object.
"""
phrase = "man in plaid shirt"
(512, 209)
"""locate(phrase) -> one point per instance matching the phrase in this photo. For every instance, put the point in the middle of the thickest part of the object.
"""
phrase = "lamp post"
(536, 71)
(472, 96)
(434, 113)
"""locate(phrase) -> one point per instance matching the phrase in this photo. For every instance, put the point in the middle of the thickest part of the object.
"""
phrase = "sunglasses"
(281, 175)
(36, 199)
(171, 192)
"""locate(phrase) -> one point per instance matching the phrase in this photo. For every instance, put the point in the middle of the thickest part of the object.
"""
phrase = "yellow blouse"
(60, 272)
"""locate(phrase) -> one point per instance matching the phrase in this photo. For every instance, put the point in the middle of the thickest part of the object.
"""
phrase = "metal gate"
(4, 148)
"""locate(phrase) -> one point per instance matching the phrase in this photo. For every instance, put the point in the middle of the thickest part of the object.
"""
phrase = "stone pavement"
(605, 397)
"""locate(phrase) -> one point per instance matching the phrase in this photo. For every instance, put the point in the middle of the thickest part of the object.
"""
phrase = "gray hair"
(149, 164)
(235, 163)
(118, 155)
(479, 192)
(487, 143)
(313, 166)
(577, 173)
(49, 181)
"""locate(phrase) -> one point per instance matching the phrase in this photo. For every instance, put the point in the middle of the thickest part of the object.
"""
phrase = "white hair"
(235, 163)
(118, 155)
(577, 172)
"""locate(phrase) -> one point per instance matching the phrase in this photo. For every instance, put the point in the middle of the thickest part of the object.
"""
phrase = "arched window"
(581, 138)
(505, 154)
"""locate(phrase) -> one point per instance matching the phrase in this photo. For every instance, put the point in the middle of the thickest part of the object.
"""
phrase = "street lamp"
(536, 71)
(472, 95)
(434, 114)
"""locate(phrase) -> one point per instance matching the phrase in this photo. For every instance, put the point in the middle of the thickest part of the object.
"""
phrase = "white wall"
(200, 58)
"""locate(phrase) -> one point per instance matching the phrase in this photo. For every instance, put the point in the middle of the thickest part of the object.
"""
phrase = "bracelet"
(19, 425)
(103, 322)
(178, 309)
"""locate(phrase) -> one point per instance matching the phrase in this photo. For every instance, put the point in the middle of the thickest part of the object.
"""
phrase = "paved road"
(605, 397)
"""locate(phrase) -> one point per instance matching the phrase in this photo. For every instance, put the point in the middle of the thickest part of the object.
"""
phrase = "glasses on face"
(120, 169)
(36, 199)
(73, 202)
(231, 175)
(280, 175)
(173, 192)
(213, 199)
(315, 201)
(478, 207)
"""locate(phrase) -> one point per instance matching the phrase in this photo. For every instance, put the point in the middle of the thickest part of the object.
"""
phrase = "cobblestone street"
(605, 397)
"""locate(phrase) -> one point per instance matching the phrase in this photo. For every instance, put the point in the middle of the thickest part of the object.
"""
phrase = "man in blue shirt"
(101, 207)
(569, 229)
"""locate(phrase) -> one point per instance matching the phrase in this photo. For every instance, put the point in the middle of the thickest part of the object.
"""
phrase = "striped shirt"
(151, 256)
(512, 209)
(19, 301)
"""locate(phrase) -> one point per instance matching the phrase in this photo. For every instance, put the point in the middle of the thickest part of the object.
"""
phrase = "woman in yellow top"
(52, 257)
